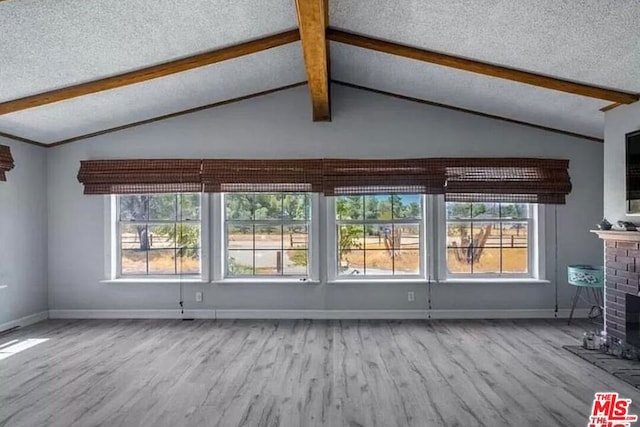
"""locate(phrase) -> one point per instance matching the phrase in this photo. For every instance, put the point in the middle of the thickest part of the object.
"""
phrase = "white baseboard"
(508, 314)
(316, 314)
(321, 314)
(132, 314)
(25, 321)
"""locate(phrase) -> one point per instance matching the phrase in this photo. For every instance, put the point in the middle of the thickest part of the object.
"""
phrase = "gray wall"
(618, 122)
(279, 125)
(23, 234)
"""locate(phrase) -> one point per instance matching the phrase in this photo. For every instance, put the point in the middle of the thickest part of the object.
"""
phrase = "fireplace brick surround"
(622, 277)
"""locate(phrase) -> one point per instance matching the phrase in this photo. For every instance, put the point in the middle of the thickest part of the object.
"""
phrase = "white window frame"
(219, 246)
(113, 251)
(333, 276)
(536, 250)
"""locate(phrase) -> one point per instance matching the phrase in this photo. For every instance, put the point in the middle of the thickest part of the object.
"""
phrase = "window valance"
(235, 175)
(140, 176)
(6, 162)
(523, 180)
(409, 176)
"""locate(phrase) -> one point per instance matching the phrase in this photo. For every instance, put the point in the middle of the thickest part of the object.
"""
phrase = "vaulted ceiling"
(50, 45)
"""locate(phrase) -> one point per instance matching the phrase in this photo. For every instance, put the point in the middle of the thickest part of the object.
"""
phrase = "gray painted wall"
(618, 122)
(23, 234)
(279, 125)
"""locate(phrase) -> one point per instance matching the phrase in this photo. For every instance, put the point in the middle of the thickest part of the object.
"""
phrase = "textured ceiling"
(467, 90)
(201, 86)
(52, 44)
(57, 43)
(593, 41)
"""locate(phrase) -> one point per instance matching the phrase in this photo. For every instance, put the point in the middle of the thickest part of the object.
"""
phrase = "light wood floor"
(300, 373)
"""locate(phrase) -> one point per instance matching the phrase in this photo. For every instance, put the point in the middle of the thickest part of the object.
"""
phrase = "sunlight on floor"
(16, 346)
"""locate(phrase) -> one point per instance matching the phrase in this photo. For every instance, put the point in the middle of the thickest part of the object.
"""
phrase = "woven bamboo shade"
(6, 162)
(408, 176)
(140, 176)
(229, 175)
(523, 180)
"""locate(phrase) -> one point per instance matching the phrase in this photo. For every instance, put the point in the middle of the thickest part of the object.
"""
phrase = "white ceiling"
(58, 43)
(498, 97)
(593, 41)
(238, 77)
(52, 44)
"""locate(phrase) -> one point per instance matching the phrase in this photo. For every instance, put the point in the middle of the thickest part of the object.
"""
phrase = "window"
(492, 239)
(159, 235)
(379, 235)
(267, 234)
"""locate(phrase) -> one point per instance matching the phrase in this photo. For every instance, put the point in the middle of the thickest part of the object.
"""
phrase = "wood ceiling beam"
(149, 73)
(481, 67)
(312, 20)
(610, 107)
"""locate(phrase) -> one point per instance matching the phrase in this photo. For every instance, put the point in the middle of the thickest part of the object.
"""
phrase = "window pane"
(352, 262)
(296, 237)
(188, 261)
(239, 206)
(485, 210)
(133, 236)
(240, 263)
(350, 239)
(296, 262)
(187, 235)
(379, 236)
(268, 262)
(162, 236)
(486, 260)
(458, 234)
(458, 210)
(268, 206)
(239, 236)
(378, 262)
(163, 207)
(486, 234)
(377, 207)
(268, 236)
(458, 260)
(515, 260)
(407, 262)
(407, 206)
(349, 207)
(515, 234)
(162, 261)
(189, 207)
(133, 262)
(134, 208)
(514, 210)
(407, 236)
(296, 207)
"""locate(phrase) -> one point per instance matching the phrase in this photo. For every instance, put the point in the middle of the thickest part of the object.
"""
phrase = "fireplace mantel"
(620, 236)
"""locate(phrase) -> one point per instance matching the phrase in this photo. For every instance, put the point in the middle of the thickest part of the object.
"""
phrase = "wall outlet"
(198, 296)
(411, 296)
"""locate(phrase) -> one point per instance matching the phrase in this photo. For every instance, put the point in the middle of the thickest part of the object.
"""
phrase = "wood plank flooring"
(300, 373)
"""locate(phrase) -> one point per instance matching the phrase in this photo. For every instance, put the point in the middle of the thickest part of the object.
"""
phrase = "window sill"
(501, 281)
(364, 280)
(155, 280)
(260, 281)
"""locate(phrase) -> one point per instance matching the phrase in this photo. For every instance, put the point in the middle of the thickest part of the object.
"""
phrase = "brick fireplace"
(622, 278)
